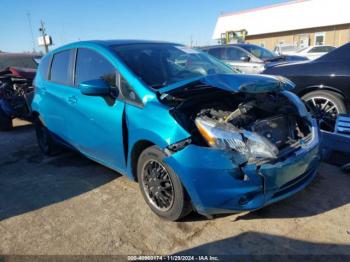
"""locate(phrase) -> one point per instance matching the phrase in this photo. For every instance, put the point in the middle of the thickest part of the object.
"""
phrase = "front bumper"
(216, 185)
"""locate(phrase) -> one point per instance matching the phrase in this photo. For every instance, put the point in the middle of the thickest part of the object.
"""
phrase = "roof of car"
(108, 43)
(238, 44)
(114, 42)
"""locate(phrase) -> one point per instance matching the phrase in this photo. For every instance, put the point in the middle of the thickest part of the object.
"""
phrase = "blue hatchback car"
(193, 134)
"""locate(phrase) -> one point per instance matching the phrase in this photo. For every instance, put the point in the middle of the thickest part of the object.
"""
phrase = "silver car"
(248, 58)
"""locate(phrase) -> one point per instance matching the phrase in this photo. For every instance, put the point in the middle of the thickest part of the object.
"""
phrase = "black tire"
(5, 121)
(180, 204)
(44, 138)
(334, 98)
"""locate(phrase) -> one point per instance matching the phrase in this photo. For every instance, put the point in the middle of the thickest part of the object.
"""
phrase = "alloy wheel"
(325, 111)
(158, 186)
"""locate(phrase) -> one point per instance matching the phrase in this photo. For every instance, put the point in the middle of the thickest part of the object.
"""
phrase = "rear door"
(96, 120)
(54, 109)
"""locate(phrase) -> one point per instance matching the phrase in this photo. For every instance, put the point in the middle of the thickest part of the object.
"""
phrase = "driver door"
(97, 120)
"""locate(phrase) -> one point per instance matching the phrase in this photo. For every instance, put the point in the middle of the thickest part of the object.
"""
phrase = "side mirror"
(245, 58)
(98, 87)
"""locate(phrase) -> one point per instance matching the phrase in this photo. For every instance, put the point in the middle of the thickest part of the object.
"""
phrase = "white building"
(300, 23)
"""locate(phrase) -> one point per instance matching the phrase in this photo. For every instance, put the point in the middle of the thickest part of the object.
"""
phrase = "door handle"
(72, 100)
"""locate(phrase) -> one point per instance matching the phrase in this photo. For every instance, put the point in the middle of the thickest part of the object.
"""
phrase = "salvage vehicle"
(16, 92)
(193, 134)
(322, 83)
(249, 58)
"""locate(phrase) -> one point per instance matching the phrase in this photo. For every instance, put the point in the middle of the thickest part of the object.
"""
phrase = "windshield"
(159, 65)
(259, 52)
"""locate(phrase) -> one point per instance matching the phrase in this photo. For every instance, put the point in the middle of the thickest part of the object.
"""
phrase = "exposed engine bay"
(259, 126)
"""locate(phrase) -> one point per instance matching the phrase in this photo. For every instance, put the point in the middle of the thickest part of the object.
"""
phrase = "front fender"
(152, 123)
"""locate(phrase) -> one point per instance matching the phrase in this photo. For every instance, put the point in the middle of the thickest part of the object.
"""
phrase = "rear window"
(321, 49)
(61, 68)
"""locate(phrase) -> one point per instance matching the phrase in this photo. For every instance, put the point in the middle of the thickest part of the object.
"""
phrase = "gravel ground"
(70, 205)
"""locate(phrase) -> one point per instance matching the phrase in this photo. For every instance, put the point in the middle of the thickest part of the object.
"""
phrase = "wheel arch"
(310, 89)
(335, 90)
(136, 151)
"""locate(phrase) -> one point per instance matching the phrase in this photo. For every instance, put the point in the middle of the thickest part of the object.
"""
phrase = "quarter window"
(91, 66)
(61, 67)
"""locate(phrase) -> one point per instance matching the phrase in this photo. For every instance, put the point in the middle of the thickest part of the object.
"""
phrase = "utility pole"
(31, 30)
(43, 33)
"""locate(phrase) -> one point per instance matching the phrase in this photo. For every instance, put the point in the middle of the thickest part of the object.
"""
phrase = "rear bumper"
(216, 185)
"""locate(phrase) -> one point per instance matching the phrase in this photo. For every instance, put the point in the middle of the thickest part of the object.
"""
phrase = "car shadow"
(29, 180)
(255, 246)
(19, 129)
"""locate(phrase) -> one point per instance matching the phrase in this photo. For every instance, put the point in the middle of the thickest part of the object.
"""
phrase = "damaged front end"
(251, 143)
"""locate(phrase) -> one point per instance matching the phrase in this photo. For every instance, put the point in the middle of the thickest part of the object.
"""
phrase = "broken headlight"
(227, 137)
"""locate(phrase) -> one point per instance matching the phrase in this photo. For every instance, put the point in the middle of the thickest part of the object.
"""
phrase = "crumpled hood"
(233, 83)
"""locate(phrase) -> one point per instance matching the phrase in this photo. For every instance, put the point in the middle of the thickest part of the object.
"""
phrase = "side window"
(216, 52)
(61, 67)
(234, 54)
(44, 67)
(91, 66)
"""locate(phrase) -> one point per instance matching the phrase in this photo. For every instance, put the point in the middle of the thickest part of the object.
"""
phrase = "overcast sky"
(72, 20)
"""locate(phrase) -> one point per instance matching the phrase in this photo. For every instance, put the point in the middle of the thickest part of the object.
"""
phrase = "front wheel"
(161, 187)
(325, 106)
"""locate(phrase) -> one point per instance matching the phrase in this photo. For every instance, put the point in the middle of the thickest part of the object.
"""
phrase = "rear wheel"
(160, 186)
(5, 121)
(325, 106)
(46, 144)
